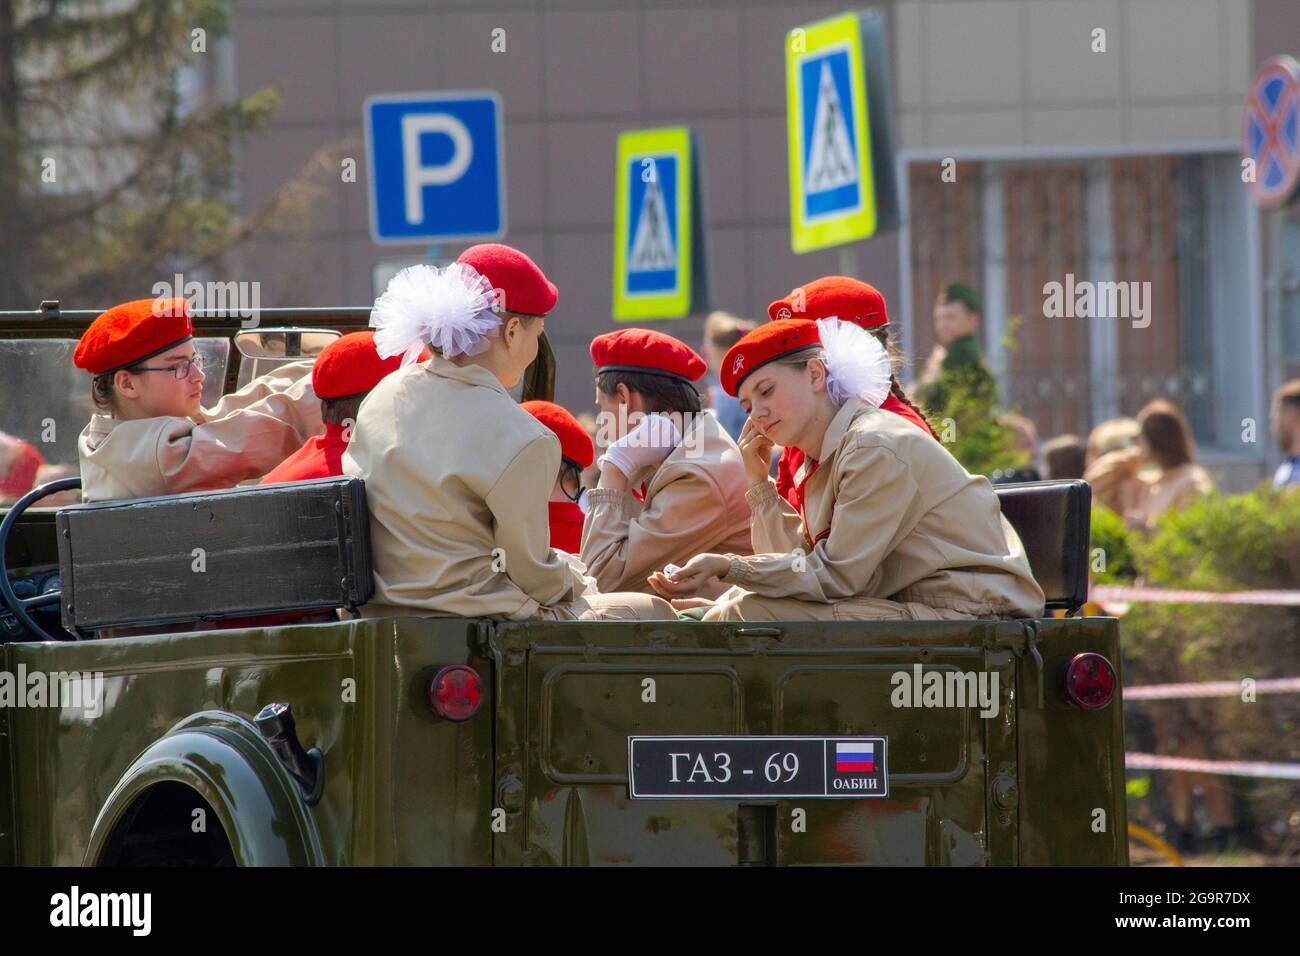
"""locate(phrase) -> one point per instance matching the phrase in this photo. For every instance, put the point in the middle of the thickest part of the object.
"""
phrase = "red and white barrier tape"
(1213, 688)
(1227, 768)
(1119, 593)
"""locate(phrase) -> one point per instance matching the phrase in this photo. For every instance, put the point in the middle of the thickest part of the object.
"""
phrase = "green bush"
(1219, 543)
(1227, 542)
(963, 408)
(1117, 562)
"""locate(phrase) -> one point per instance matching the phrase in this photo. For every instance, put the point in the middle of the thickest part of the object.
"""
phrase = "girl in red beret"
(457, 474)
(891, 527)
(672, 483)
(577, 452)
(850, 300)
(342, 376)
(151, 436)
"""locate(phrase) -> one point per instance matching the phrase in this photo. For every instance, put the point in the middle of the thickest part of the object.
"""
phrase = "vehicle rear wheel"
(169, 825)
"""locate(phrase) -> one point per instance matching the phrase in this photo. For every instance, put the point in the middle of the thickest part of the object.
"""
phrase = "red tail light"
(456, 692)
(1090, 681)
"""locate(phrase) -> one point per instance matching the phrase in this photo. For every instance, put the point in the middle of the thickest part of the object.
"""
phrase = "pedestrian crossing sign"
(832, 187)
(654, 224)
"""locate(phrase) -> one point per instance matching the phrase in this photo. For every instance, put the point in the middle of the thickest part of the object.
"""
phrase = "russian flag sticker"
(855, 757)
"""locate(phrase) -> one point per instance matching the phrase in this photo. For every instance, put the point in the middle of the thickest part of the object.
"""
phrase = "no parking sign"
(1271, 132)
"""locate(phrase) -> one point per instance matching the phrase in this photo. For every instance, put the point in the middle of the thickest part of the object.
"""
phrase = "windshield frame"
(52, 321)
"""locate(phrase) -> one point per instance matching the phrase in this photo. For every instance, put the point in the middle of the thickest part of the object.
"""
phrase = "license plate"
(707, 767)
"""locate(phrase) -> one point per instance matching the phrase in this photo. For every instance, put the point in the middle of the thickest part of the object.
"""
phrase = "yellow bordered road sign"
(832, 189)
(654, 224)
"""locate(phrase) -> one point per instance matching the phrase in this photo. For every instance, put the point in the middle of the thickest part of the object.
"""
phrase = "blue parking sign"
(1271, 132)
(437, 166)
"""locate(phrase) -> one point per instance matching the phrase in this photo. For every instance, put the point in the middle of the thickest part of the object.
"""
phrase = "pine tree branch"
(170, 224)
(226, 121)
(54, 26)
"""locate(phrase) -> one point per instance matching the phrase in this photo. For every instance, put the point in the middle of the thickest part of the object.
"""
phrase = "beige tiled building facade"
(1116, 164)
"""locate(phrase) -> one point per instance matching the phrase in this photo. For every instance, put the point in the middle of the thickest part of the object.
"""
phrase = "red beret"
(766, 344)
(833, 297)
(648, 352)
(132, 332)
(524, 287)
(575, 443)
(350, 365)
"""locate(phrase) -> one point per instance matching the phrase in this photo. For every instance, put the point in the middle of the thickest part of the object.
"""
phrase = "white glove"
(644, 446)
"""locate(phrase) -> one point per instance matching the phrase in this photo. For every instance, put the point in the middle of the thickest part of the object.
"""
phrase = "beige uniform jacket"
(893, 516)
(457, 480)
(694, 503)
(244, 436)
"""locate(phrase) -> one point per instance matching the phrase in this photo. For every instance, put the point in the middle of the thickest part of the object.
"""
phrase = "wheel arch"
(225, 761)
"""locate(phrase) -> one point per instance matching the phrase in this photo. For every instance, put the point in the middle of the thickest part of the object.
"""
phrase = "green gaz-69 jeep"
(158, 708)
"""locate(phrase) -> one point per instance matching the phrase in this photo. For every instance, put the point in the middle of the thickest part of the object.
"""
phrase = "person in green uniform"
(958, 391)
(956, 360)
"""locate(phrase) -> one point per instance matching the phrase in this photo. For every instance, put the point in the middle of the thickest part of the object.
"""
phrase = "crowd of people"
(784, 473)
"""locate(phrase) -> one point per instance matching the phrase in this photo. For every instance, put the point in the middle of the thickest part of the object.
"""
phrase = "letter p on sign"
(415, 173)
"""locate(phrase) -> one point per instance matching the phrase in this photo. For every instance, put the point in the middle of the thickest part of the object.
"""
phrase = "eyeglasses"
(181, 369)
(570, 479)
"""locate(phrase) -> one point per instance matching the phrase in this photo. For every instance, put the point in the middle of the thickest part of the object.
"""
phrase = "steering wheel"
(16, 605)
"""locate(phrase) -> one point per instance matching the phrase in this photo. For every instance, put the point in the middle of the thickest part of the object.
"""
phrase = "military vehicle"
(192, 680)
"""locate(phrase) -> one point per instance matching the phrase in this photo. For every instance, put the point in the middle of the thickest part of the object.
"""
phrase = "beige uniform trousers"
(587, 607)
(623, 606)
(694, 502)
(738, 604)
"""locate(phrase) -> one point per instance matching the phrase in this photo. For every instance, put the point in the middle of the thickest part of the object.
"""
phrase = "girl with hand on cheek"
(849, 300)
(890, 525)
(672, 485)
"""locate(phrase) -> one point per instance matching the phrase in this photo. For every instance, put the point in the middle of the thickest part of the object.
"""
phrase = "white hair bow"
(451, 309)
(857, 365)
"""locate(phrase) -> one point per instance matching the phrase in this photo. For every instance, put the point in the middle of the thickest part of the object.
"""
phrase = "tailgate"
(570, 696)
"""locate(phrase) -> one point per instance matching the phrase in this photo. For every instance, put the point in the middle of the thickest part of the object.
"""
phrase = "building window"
(1171, 229)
